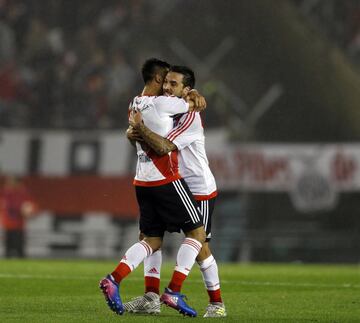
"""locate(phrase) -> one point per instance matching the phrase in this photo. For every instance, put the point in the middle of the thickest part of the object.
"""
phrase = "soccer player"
(165, 201)
(188, 138)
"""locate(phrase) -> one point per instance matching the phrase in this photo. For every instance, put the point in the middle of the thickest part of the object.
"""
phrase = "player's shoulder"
(191, 115)
(141, 100)
(166, 98)
(190, 119)
(135, 100)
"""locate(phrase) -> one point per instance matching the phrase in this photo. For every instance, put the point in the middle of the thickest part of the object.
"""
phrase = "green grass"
(67, 291)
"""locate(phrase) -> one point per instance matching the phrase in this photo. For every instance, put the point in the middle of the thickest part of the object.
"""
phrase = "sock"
(185, 259)
(210, 273)
(132, 258)
(152, 266)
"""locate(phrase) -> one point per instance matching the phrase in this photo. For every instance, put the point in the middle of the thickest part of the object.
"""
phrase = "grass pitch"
(67, 291)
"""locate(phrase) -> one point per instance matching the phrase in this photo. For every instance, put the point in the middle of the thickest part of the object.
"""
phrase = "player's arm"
(196, 101)
(133, 135)
(174, 105)
(159, 144)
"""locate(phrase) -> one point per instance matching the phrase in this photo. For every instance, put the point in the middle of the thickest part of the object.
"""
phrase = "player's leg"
(189, 220)
(149, 303)
(185, 260)
(210, 274)
(186, 257)
(134, 256)
(179, 210)
(131, 260)
(152, 264)
(136, 253)
(152, 268)
(208, 265)
(152, 229)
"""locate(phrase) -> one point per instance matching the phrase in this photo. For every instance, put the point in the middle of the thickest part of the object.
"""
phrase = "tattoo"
(159, 144)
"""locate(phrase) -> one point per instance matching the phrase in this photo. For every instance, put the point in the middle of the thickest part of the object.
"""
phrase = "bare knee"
(204, 253)
(154, 242)
(197, 234)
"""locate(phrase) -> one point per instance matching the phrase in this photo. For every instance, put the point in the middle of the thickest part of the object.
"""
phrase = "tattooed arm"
(134, 136)
(159, 144)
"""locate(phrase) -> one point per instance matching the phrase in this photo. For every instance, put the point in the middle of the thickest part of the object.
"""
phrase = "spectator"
(71, 64)
(16, 205)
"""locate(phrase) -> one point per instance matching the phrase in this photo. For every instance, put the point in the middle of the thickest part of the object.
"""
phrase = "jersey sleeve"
(188, 129)
(170, 105)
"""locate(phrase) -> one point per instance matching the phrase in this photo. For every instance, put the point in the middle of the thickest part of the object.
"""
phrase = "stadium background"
(282, 123)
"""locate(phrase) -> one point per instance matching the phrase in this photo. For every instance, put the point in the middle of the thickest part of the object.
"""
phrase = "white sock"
(136, 254)
(152, 265)
(210, 273)
(187, 254)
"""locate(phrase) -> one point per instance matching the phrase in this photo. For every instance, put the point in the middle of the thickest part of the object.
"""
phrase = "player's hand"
(133, 134)
(199, 100)
(135, 119)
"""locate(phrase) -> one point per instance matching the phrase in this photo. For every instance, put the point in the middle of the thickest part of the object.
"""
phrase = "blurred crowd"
(68, 63)
(338, 20)
(75, 64)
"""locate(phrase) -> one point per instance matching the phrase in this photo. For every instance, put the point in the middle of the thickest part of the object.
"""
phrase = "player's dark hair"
(189, 76)
(153, 66)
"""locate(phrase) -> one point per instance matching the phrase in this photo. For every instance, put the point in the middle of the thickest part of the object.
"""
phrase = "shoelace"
(214, 308)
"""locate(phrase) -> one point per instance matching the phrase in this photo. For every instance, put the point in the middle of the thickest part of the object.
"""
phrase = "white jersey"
(188, 136)
(157, 113)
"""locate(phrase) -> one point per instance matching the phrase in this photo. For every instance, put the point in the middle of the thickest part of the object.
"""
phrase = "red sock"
(177, 281)
(215, 296)
(120, 272)
(152, 284)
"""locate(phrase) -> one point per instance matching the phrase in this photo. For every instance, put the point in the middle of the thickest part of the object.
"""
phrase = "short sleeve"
(188, 130)
(170, 105)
